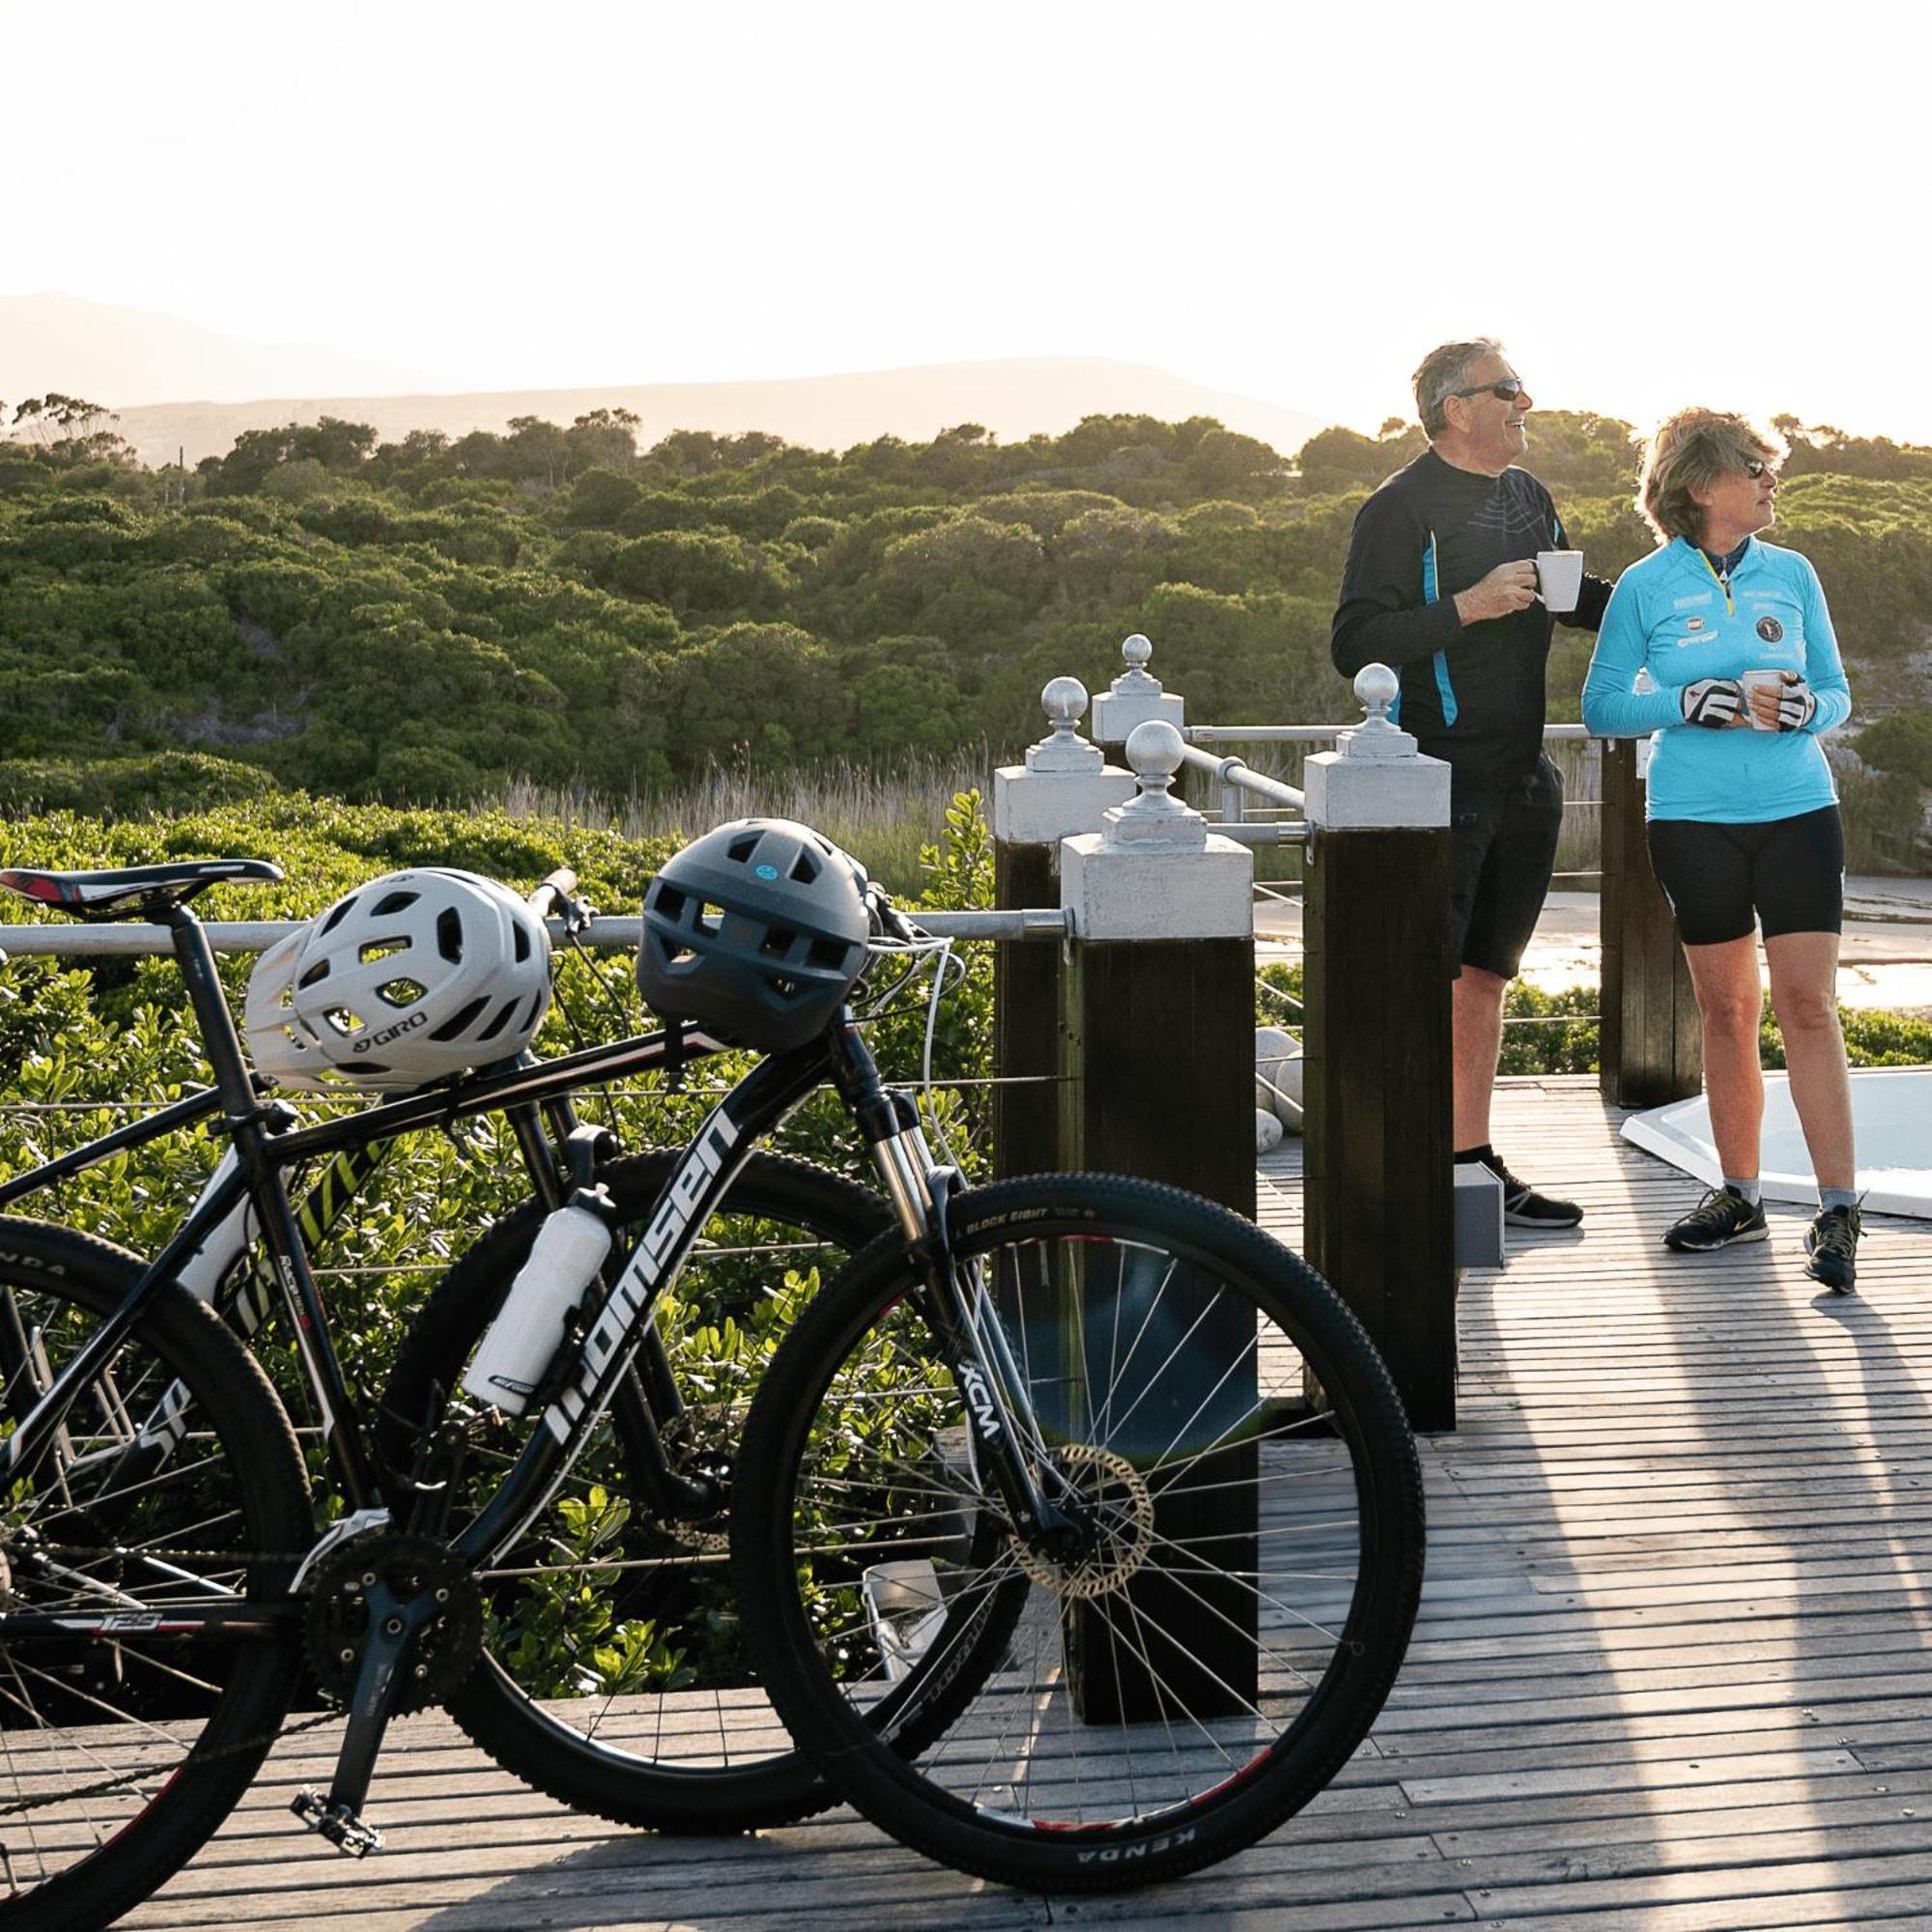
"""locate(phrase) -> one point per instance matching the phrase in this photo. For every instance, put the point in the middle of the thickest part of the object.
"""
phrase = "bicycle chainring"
(339, 1613)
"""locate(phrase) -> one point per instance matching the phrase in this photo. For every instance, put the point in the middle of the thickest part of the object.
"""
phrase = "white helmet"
(409, 978)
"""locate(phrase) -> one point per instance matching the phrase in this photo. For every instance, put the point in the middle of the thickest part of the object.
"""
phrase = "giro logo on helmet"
(388, 1034)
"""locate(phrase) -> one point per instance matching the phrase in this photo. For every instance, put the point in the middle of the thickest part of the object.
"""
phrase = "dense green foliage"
(424, 619)
(79, 1040)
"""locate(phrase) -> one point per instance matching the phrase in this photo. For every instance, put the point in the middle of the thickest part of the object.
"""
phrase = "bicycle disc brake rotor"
(1114, 1497)
(339, 1614)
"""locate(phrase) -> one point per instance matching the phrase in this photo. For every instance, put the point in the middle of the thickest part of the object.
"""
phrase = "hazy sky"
(1651, 204)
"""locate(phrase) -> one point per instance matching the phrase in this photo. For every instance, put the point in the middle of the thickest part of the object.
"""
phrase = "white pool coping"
(1892, 1117)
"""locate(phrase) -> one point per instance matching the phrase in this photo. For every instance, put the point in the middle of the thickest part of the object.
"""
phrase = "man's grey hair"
(1441, 375)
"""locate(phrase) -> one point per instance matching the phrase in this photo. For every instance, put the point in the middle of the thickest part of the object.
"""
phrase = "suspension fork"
(999, 1406)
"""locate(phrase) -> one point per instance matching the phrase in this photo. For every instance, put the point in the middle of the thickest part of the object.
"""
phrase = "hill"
(1012, 399)
(128, 356)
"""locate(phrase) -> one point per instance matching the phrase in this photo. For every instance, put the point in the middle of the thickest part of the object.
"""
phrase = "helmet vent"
(778, 943)
(520, 944)
(380, 949)
(338, 913)
(805, 867)
(400, 992)
(319, 971)
(831, 953)
(743, 846)
(497, 1025)
(459, 1021)
(392, 903)
(344, 1021)
(711, 917)
(449, 933)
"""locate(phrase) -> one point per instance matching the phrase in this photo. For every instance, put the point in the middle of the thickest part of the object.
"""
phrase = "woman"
(1743, 678)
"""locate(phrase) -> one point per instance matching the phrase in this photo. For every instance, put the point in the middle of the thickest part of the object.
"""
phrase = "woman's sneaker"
(1524, 1207)
(1717, 1220)
(1832, 1248)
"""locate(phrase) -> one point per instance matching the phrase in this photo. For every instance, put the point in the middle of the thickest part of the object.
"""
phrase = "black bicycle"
(609, 1673)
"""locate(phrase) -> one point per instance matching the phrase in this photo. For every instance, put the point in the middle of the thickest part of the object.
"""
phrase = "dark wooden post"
(1158, 1044)
(1652, 1047)
(1064, 787)
(1376, 1099)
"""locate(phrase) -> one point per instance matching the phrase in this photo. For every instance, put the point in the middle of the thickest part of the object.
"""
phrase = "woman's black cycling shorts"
(1786, 876)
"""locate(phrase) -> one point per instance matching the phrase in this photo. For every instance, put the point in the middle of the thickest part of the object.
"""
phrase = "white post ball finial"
(1155, 751)
(1137, 650)
(1377, 736)
(1376, 687)
(1065, 702)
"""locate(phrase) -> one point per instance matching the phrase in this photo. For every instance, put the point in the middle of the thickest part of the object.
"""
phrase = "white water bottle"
(570, 1247)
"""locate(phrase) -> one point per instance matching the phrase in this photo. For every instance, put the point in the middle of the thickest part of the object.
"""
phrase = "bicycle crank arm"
(394, 1625)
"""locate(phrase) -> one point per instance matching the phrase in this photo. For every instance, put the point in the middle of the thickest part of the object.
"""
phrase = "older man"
(1440, 583)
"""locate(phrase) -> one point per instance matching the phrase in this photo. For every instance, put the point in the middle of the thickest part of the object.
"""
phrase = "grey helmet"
(756, 931)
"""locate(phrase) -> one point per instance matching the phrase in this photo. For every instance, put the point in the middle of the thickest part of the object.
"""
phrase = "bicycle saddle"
(135, 891)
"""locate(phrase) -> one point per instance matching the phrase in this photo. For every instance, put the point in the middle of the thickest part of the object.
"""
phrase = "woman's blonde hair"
(1689, 453)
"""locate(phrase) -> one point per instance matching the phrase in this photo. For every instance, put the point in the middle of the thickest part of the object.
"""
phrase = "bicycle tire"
(1201, 1661)
(75, 1714)
(640, 1773)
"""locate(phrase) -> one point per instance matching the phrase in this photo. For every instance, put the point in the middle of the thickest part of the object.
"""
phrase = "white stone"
(1368, 794)
(1036, 808)
(1268, 1131)
(1278, 1071)
(1130, 892)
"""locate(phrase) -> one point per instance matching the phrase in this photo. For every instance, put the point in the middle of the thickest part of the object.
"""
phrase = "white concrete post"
(1134, 697)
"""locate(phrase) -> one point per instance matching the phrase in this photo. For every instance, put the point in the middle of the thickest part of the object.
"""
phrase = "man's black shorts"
(1502, 849)
(1723, 880)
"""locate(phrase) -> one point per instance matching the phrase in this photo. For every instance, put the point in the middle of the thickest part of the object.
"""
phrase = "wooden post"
(1065, 786)
(1652, 1047)
(1376, 1113)
(1158, 1041)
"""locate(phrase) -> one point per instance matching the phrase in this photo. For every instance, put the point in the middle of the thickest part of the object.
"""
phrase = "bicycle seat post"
(219, 1038)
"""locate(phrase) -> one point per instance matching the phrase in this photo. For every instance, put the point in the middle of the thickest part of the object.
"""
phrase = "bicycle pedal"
(336, 1823)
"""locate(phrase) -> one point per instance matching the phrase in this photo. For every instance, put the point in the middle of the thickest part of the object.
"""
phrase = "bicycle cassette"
(340, 1615)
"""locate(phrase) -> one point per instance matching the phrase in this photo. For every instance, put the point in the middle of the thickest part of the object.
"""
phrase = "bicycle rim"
(122, 1750)
(1202, 1655)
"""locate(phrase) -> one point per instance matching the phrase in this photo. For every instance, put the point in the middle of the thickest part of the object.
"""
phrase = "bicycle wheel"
(122, 1750)
(615, 1679)
(1208, 1637)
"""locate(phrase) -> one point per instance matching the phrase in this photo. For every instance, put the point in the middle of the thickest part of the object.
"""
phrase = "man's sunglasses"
(1757, 467)
(1505, 392)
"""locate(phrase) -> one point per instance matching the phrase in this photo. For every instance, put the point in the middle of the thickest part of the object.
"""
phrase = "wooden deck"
(1671, 1672)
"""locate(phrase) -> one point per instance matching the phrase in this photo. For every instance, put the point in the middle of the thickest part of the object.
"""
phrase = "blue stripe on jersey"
(1431, 594)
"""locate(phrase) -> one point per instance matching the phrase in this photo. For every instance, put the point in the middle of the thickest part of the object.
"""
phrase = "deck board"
(1673, 1671)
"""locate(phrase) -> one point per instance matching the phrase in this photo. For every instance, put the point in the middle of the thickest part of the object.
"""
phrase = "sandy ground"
(1885, 961)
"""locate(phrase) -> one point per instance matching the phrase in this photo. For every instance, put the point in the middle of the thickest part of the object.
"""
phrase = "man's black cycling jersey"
(1473, 695)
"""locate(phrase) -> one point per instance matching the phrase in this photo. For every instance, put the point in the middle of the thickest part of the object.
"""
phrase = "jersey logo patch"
(1770, 630)
(1685, 603)
(1693, 623)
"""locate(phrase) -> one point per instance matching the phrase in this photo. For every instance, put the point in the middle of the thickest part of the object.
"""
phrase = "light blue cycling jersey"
(1675, 617)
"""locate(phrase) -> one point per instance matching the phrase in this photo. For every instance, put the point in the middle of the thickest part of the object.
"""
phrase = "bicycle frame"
(248, 1186)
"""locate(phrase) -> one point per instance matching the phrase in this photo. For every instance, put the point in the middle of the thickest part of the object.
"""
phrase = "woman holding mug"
(1743, 679)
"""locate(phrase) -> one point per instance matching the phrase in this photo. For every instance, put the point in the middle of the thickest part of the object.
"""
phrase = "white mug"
(1559, 577)
(1760, 680)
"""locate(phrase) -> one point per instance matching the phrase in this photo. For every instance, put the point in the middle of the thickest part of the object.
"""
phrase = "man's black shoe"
(1832, 1248)
(1717, 1220)
(1524, 1207)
